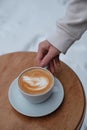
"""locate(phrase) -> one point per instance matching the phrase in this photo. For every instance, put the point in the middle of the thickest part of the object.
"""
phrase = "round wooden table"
(69, 116)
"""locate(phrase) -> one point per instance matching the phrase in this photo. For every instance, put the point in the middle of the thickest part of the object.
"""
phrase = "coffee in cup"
(36, 83)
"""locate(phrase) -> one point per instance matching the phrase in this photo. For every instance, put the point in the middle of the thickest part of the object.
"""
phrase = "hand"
(48, 55)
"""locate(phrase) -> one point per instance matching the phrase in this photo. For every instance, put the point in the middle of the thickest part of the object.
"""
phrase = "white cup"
(39, 72)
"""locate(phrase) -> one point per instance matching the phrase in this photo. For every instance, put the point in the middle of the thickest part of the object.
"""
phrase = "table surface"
(69, 116)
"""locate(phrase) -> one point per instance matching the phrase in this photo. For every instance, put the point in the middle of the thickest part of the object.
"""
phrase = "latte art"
(36, 83)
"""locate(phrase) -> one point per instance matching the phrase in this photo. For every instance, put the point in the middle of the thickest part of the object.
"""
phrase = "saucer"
(23, 106)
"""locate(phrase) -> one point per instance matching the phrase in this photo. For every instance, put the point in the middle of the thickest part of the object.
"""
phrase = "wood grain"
(68, 117)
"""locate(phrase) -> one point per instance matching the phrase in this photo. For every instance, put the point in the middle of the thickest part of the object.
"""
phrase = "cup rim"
(35, 67)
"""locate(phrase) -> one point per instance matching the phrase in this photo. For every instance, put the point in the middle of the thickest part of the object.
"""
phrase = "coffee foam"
(36, 83)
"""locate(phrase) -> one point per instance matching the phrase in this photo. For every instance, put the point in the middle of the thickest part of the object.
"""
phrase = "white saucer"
(24, 107)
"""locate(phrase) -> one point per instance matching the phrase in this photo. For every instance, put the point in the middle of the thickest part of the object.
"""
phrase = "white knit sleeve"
(71, 27)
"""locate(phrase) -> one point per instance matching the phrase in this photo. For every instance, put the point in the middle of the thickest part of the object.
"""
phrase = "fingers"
(42, 51)
(54, 64)
(51, 67)
(50, 55)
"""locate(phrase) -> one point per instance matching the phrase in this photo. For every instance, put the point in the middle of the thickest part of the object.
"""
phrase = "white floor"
(24, 23)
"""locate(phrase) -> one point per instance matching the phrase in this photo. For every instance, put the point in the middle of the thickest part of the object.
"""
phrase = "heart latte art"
(36, 81)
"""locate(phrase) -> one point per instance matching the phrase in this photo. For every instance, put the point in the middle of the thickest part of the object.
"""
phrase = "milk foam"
(36, 83)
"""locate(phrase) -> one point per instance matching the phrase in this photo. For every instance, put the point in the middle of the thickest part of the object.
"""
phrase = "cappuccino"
(36, 81)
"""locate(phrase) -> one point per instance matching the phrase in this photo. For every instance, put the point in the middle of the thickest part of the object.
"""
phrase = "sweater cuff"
(61, 40)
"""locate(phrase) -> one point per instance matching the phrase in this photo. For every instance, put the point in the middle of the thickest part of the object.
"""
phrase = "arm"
(71, 27)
